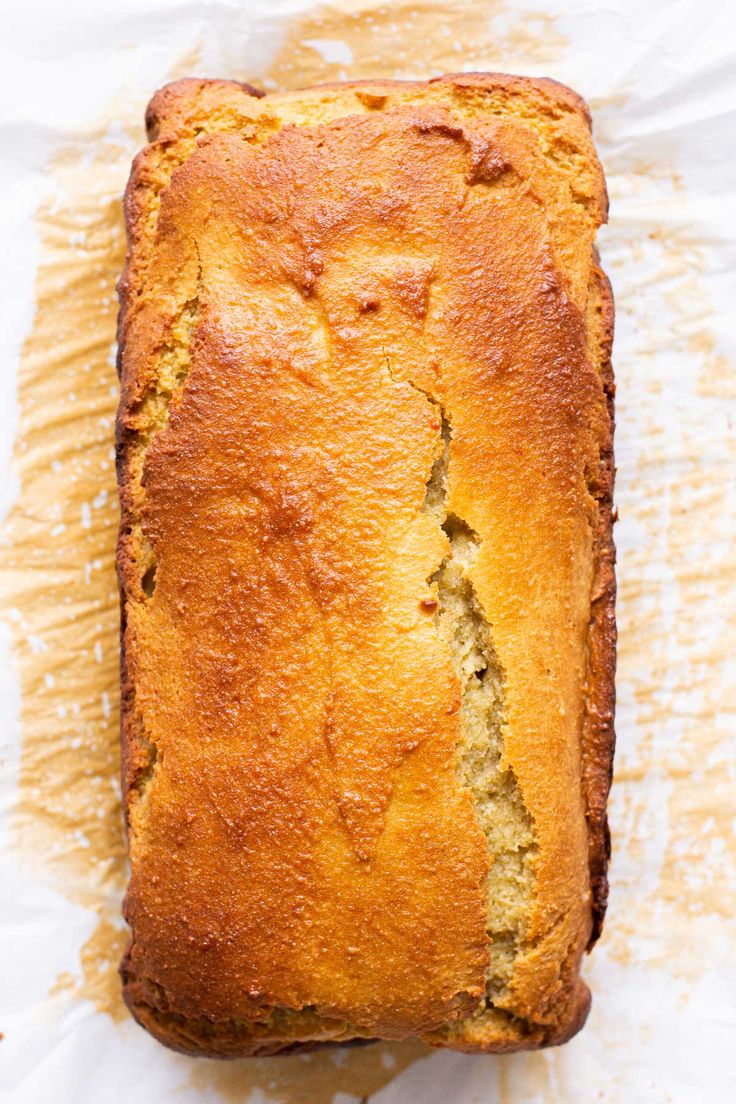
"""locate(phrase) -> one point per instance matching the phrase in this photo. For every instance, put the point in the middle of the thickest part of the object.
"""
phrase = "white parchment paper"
(661, 81)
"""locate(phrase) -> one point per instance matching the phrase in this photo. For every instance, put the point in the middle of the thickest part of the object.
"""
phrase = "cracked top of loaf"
(366, 564)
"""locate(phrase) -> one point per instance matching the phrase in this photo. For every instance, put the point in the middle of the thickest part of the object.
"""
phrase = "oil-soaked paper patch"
(673, 807)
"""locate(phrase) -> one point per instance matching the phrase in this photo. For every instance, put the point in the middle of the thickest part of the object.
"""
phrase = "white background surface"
(661, 78)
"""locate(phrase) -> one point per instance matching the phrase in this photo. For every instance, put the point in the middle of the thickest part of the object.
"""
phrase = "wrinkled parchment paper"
(661, 81)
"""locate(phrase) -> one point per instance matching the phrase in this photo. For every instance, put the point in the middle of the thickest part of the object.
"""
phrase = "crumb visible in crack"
(149, 419)
(151, 414)
(148, 582)
(505, 821)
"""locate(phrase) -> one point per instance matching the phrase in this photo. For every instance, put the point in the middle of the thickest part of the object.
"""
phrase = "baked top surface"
(320, 284)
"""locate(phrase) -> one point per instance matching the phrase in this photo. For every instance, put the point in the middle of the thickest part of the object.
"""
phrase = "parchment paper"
(661, 81)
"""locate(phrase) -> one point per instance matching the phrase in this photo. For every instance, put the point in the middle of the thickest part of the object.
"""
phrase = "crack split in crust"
(175, 128)
(506, 822)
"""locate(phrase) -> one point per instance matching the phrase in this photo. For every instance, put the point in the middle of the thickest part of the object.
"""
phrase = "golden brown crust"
(286, 699)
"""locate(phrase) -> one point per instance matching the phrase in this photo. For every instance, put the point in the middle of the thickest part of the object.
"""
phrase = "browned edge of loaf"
(597, 737)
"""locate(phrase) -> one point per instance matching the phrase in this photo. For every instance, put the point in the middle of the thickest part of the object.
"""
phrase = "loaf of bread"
(366, 566)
